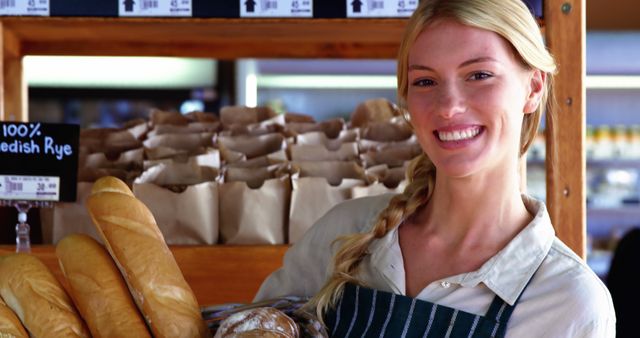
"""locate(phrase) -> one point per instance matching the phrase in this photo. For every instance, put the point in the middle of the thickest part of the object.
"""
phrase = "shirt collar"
(506, 274)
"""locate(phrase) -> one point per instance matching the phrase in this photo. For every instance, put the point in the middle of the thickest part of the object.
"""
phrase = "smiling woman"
(461, 252)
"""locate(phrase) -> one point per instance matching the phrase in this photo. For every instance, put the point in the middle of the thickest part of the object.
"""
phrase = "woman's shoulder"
(570, 284)
(360, 212)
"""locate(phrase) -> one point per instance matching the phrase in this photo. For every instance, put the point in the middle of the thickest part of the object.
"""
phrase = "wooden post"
(13, 87)
(566, 199)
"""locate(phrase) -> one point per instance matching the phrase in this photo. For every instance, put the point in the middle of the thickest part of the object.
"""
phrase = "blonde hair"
(510, 19)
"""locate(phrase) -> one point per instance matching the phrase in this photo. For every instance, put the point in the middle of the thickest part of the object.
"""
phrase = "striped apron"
(364, 312)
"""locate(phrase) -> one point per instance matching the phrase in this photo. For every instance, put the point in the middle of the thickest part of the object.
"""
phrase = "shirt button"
(445, 284)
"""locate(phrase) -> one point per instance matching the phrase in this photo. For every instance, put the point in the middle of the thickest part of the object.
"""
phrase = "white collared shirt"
(564, 298)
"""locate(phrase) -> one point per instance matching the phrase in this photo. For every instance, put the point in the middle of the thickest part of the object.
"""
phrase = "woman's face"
(467, 96)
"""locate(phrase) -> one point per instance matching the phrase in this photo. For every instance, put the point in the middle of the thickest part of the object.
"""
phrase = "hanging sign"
(39, 161)
(142, 8)
(25, 7)
(380, 8)
(276, 8)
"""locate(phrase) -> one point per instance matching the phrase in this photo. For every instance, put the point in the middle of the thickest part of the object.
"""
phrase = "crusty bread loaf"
(138, 248)
(258, 322)
(34, 294)
(97, 289)
(10, 325)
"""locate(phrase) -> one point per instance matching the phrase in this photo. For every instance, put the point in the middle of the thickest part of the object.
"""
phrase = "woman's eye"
(480, 76)
(423, 83)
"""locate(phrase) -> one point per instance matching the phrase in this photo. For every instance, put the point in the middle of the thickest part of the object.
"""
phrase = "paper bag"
(365, 146)
(250, 146)
(392, 156)
(308, 152)
(177, 174)
(108, 140)
(317, 187)
(157, 117)
(209, 159)
(72, 217)
(384, 180)
(350, 135)
(191, 128)
(331, 128)
(255, 211)
(276, 157)
(188, 142)
(127, 160)
(189, 217)
(231, 115)
(389, 131)
(372, 111)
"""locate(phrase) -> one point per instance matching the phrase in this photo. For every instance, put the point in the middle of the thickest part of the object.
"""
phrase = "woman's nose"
(450, 101)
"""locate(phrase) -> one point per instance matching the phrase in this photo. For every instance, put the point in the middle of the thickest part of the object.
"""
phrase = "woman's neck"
(473, 212)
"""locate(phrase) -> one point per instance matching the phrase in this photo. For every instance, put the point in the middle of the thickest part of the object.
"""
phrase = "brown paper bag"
(191, 128)
(160, 153)
(186, 218)
(276, 157)
(250, 146)
(384, 180)
(127, 160)
(177, 174)
(70, 218)
(389, 131)
(393, 156)
(157, 117)
(317, 187)
(209, 159)
(108, 140)
(345, 136)
(188, 142)
(365, 146)
(232, 115)
(308, 152)
(331, 128)
(372, 111)
(254, 206)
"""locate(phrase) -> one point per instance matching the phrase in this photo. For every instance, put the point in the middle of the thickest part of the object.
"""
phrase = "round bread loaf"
(10, 325)
(258, 322)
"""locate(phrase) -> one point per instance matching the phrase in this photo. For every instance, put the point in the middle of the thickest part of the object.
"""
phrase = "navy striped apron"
(364, 312)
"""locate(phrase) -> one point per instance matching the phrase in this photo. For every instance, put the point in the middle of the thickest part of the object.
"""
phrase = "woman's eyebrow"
(463, 64)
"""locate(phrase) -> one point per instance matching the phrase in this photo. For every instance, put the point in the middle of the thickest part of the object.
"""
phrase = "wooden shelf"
(216, 38)
(217, 274)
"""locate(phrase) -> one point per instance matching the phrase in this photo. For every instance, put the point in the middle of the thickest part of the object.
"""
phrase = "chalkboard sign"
(39, 161)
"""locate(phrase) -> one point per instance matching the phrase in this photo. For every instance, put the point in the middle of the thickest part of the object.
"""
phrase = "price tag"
(39, 161)
(24, 7)
(276, 8)
(29, 188)
(155, 8)
(380, 8)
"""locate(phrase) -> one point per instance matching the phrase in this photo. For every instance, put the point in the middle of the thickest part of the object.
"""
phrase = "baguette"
(98, 290)
(10, 325)
(138, 248)
(34, 294)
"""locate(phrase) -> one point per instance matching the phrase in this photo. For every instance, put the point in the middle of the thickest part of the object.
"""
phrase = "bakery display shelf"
(217, 274)
(564, 25)
(216, 38)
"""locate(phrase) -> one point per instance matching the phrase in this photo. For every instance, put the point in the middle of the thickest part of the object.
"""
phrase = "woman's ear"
(536, 89)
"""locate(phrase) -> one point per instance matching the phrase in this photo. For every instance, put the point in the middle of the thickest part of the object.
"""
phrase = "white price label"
(276, 8)
(25, 7)
(380, 8)
(29, 188)
(155, 8)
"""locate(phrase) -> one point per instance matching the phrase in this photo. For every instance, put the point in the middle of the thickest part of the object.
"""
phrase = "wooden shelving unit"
(311, 38)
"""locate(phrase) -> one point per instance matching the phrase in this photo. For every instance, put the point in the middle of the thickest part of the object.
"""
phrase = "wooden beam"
(566, 199)
(13, 87)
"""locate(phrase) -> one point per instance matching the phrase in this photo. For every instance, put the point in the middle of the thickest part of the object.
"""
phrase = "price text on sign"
(380, 8)
(181, 8)
(28, 188)
(33, 153)
(276, 8)
(25, 7)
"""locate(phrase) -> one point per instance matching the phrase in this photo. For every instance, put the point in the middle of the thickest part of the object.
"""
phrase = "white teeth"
(459, 135)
